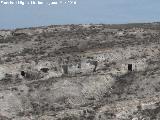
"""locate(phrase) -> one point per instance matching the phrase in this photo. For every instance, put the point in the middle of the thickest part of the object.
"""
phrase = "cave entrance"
(23, 73)
(45, 70)
(65, 69)
(129, 67)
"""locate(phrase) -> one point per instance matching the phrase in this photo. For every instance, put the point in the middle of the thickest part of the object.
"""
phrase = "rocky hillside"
(80, 72)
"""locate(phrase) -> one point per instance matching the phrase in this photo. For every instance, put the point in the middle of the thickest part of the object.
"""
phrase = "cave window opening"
(129, 67)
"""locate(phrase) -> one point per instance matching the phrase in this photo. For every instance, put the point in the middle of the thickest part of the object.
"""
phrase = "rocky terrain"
(80, 72)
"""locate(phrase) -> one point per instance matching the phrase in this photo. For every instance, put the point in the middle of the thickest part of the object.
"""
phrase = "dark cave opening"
(23, 73)
(45, 70)
(129, 67)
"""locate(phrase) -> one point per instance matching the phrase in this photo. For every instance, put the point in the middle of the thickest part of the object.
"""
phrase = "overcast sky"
(84, 12)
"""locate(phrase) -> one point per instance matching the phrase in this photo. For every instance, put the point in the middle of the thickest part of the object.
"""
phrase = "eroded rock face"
(80, 72)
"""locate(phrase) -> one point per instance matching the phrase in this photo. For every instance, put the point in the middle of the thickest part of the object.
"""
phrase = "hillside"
(80, 72)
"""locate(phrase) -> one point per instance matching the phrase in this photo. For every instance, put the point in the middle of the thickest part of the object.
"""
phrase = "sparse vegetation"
(80, 72)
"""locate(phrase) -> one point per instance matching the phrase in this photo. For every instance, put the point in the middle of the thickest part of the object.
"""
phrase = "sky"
(84, 12)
